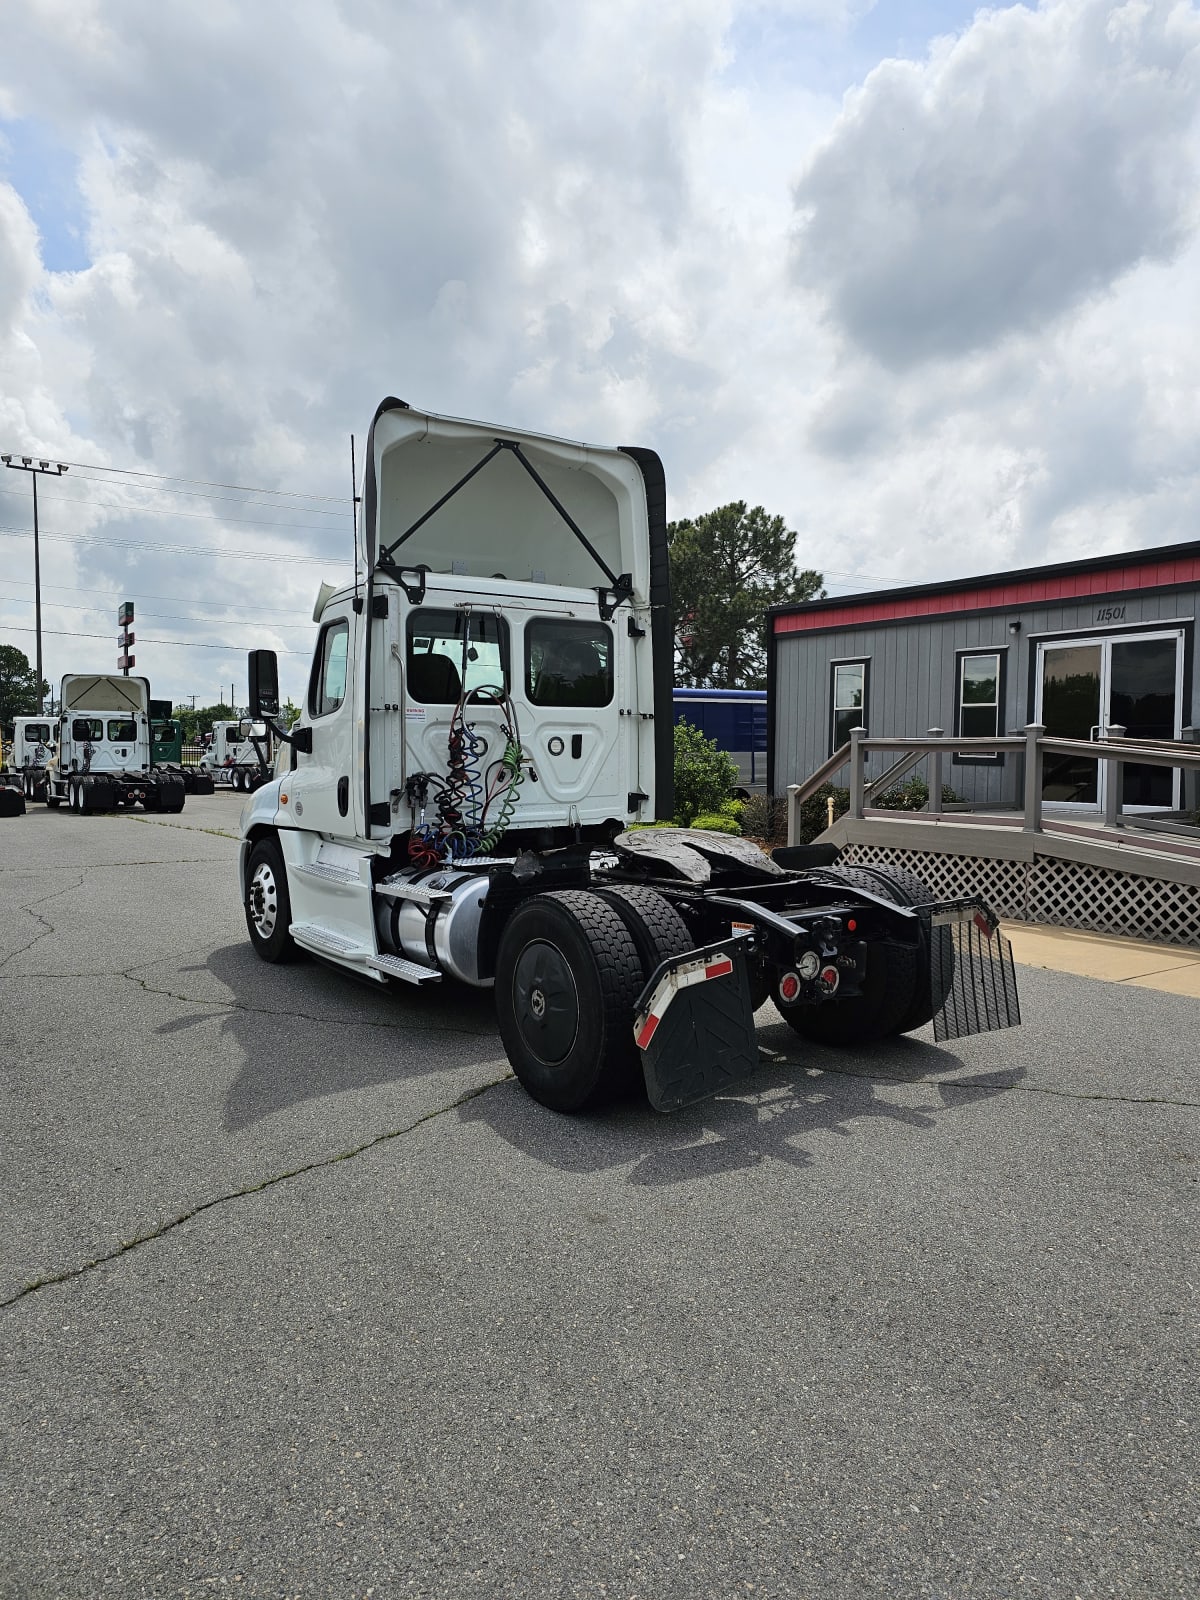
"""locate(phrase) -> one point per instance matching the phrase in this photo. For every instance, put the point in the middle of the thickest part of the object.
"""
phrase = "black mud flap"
(12, 802)
(971, 972)
(694, 1026)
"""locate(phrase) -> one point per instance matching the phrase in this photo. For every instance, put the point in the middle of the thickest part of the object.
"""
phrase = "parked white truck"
(239, 755)
(33, 748)
(103, 758)
(488, 713)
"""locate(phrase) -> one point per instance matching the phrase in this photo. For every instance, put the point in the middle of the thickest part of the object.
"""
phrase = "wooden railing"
(1030, 747)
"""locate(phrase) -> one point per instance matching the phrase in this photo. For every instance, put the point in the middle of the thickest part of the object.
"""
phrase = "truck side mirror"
(264, 684)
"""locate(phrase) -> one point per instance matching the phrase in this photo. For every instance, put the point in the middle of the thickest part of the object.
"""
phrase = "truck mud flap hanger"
(619, 587)
(694, 1020)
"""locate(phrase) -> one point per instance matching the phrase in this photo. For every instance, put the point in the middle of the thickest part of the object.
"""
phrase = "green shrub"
(714, 822)
(704, 775)
(814, 813)
(764, 817)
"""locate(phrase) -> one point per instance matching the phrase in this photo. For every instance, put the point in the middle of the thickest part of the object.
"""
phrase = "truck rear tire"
(933, 981)
(268, 904)
(567, 975)
(656, 928)
(889, 988)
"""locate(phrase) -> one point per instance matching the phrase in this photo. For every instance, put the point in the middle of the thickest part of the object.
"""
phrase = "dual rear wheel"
(903, 987)
(569, 970)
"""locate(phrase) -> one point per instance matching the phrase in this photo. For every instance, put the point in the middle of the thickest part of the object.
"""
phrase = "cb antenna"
(354, 514)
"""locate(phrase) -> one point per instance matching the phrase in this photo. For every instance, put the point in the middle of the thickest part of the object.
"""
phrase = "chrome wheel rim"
(264, 900)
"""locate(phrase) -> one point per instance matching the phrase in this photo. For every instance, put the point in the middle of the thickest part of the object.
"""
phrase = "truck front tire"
(268, 904)
(567, 976)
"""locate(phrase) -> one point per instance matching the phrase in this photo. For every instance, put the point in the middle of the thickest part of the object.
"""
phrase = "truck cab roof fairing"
(106, 691)
(493, 515)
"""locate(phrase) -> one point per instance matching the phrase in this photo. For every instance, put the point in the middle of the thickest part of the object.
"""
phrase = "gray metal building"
(1079, 647)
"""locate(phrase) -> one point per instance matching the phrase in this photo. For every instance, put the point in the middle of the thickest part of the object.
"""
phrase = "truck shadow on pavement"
(804, 1093)
(306, 1031)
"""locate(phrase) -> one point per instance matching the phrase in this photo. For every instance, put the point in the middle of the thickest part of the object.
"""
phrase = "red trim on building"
(993, 596)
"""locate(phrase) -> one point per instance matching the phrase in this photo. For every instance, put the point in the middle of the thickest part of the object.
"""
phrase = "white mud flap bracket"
(694, 1026)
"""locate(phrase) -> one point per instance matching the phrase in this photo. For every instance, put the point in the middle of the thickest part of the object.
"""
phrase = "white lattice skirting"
(1066, 894)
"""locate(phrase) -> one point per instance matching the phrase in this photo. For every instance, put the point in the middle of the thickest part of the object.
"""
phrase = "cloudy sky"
(921, 277)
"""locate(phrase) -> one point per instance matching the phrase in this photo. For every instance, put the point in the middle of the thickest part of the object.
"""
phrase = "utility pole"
(36, 470)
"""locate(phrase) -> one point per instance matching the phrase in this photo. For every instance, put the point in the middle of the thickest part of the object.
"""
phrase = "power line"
(202, 494)
(183, 549)
(184, 644)
(130, 593)
(192, 516)
(166, 477)
(167, 616)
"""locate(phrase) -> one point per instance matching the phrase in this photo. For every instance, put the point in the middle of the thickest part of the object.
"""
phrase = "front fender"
(261, 809)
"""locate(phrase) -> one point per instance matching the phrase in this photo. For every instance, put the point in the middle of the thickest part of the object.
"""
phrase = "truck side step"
(409, 971)
(331, 874)
(322, 940)
(418, 893)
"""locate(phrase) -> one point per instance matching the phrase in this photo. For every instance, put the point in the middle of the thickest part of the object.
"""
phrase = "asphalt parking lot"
(301, 1296)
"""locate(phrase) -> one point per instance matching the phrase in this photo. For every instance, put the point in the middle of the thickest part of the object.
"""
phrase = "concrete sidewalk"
(1134, 962)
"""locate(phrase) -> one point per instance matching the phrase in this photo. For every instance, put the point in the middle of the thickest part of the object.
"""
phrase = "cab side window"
(85, 728)
(327, 687)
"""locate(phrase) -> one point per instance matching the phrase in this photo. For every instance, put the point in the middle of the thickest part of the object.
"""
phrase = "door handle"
(1096, 731)
(343, 796)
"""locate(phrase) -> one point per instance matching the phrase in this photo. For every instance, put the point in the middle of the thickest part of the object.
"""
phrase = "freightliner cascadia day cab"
(240, 755)
(488, 714)
(33, 748)
(103, 759)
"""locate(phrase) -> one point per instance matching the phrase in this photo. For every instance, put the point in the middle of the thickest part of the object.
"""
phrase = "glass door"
(1071, 681)
(1087, 686)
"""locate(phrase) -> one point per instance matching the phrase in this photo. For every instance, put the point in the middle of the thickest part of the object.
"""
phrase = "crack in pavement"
(213, 1006)
(304, 1016)
(47, 927)
(186, 827)
(91, 866)
(177, 1221)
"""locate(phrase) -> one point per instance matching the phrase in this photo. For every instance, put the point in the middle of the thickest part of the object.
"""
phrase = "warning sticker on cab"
(414, 713)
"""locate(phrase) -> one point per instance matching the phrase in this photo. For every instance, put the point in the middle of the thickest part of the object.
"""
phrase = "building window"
(849, 700)
(980, 697)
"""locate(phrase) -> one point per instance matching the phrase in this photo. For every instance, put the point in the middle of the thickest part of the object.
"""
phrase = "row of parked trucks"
(111, 746)
(486, 735)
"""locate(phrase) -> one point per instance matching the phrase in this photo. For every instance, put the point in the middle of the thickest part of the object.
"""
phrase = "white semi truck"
(239, 756)
(488, 715)
(103, 758)
(33, 746)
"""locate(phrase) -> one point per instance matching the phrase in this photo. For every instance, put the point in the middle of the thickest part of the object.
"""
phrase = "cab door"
(320, 789)
(577, 696)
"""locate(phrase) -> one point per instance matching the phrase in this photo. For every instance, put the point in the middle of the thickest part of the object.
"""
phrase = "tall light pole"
(37, 469)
